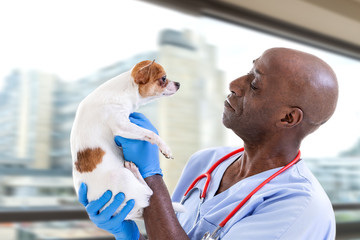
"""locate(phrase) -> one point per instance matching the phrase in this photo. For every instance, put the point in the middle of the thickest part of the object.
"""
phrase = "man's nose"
(237, 86)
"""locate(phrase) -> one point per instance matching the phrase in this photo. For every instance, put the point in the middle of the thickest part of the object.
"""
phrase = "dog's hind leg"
(133, 168)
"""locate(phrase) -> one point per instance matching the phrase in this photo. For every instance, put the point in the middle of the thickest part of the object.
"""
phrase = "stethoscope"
(214, 235)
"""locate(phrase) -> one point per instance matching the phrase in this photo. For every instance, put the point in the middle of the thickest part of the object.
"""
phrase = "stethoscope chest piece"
(209, 236)
(212, 236)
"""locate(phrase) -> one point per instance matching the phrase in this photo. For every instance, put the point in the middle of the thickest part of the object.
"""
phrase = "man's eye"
(250, 78)
(253, 87)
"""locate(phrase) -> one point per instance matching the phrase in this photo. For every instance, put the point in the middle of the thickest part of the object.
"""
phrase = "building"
(26, 117)
(192, 118)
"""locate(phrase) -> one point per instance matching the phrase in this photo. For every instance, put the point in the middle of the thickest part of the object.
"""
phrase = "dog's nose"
(177, 84)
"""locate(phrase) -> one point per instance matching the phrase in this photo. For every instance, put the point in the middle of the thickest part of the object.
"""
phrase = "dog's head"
(152, 80)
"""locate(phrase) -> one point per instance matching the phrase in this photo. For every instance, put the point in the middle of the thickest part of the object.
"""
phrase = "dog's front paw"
(155, 139)
(165, 150)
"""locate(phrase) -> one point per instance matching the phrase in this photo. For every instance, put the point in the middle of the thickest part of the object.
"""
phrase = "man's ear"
(290, 118)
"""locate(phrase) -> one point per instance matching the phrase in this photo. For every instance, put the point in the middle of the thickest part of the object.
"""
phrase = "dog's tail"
(178, 207)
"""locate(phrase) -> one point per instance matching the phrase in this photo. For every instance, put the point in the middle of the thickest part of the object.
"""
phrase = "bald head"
(307, 82)
(287, 95)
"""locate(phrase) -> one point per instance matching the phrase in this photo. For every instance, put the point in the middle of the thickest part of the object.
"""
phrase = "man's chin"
(226, 122)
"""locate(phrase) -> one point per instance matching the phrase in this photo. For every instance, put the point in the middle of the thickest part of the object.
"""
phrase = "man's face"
(252, 108)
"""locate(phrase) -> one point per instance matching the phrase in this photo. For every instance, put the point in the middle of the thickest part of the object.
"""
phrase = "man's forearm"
(160, 219)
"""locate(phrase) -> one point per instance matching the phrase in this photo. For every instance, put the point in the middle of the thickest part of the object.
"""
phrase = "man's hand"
(160, 219)
(144, 154)
(116, 225)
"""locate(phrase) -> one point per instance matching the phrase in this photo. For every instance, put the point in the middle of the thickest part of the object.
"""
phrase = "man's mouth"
(228, 105)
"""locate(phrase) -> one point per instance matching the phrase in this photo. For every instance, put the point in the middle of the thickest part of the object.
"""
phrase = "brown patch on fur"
(148, 75)
(88, 159)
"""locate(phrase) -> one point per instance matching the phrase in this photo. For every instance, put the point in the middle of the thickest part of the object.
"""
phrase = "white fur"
(100, 116)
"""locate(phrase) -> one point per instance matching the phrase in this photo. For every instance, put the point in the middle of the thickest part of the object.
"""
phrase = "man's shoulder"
(317, 195)
(313, 207)
(300, 200)
(300, 186)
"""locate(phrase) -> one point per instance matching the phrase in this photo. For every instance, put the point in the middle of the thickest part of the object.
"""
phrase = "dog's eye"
(163, 79)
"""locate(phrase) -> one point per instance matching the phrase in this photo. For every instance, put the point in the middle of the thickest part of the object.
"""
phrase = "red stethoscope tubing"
(207, 175)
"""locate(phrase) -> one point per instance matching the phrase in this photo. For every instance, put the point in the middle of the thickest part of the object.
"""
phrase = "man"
(286, 96)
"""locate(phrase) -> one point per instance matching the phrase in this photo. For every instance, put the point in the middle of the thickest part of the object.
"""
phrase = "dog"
(103, 114)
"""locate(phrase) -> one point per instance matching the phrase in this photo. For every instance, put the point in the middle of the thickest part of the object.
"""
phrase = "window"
(54, 53)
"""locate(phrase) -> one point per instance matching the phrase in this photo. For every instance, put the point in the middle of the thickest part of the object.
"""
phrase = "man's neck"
(253, 162)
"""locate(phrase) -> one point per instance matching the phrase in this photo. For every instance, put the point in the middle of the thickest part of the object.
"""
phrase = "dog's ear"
(143, 74)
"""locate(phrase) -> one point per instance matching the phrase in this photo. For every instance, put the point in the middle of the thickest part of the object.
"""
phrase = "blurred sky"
(75, 38)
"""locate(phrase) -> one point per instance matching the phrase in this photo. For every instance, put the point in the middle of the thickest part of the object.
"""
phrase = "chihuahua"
(103, 114)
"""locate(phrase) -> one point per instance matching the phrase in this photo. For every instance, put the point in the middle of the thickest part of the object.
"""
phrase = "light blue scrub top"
(291, 206)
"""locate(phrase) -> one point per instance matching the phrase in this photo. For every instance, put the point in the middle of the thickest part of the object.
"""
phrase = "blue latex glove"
(116, 225)
(144, 154)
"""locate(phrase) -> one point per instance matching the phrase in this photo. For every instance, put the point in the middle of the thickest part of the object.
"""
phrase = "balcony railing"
(343, 229)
